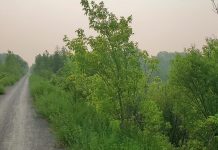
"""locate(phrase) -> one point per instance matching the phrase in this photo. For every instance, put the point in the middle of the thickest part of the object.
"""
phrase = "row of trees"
(116, 98)
(46, 63)
(12, 67)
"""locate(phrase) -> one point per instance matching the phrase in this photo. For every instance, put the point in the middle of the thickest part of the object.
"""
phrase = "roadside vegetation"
(103, 92)
(12, 68)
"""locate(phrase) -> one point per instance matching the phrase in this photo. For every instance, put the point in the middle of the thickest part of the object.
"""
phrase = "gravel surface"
(20, 127)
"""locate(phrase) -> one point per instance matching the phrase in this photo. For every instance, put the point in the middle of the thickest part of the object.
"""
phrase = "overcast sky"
(28, 27)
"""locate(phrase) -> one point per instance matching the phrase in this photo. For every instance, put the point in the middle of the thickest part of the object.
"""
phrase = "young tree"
(195, 75)
(111, 74)
(115, 59)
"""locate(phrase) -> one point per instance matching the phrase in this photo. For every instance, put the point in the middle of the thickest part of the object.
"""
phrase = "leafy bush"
(79, 126)
(2, 90)
(12, 68)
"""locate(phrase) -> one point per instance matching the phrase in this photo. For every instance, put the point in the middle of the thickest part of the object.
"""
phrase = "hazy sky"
(28, 27)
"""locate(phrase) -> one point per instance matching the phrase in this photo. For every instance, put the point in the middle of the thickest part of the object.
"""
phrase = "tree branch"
(215, 6)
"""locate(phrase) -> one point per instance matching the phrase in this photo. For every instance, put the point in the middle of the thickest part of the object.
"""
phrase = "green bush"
(11, 70)
(78, 125)
(2, 90)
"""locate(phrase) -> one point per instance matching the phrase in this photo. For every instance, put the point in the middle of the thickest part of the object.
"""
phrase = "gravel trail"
(20, 127)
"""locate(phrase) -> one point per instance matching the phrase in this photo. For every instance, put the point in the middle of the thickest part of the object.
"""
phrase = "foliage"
(103, 92)
(188, 99)
(195, 76)
(114, 61)
(47, 64)
(97, 98)
(12, 68)
(2, 90)
(215, 6)
(79, 126)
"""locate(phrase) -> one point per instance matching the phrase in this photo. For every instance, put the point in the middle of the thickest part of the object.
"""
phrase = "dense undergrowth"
(79, 126)
(12, 68)
(103, 92)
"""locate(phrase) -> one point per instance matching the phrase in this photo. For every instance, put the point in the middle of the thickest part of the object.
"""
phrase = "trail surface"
(20, 127)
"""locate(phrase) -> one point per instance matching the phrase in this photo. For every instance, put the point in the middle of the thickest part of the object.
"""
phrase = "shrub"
(79, 126)
(2, 90)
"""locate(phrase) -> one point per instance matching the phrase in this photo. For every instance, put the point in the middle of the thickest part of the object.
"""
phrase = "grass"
(2, 89)
(73, 124)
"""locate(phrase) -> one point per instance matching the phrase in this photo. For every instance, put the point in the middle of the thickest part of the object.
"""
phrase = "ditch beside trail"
(20, 127)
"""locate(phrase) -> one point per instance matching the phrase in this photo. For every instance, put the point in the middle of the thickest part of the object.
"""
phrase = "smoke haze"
(28, 27)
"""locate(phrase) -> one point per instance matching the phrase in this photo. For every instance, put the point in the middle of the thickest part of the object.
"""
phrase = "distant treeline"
(12, 68)
(102, 92)
(164, 64)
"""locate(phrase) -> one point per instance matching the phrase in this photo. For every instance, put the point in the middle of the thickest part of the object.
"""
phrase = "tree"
(113, 58)
(110, 73)
(12, 68)
(108, 78)
(195, 75)
(50, 63)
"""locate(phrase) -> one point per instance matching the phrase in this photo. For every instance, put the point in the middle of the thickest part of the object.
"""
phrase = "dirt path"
(20, 127)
